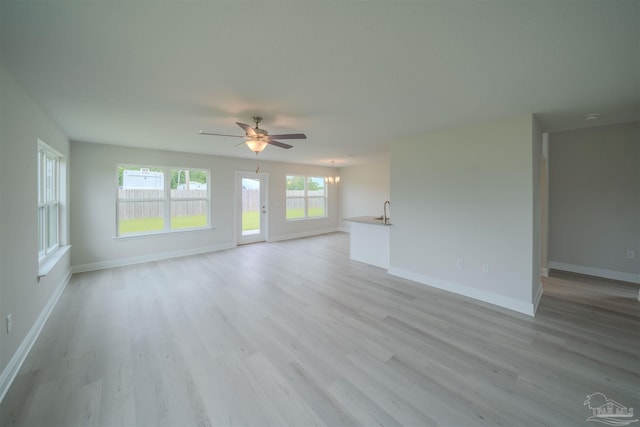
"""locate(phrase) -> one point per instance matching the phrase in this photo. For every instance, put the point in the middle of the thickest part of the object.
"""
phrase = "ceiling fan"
(257, 139)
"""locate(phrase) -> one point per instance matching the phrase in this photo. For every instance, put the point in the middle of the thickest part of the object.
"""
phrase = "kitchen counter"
(374, 220)
(368, 241)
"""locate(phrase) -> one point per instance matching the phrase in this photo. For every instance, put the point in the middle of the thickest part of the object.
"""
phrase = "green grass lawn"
(189, 221)
(145, 225)
(299, 213)
(250, 220)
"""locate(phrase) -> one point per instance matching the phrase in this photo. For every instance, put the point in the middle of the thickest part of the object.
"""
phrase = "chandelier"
(333, 179)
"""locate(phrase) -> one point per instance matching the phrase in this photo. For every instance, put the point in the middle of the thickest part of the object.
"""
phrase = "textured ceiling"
(352, 75)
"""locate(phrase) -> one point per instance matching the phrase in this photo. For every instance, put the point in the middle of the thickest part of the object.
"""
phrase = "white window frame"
(166, 200)
(49, 232)
(307, 197)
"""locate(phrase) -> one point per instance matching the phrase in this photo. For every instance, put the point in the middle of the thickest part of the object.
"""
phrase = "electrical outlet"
(9, 323)
(459, 263)
(485, 268)
(631, 254)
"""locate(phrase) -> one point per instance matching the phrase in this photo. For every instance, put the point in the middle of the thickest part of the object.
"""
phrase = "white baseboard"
(490, 297)
(598, 272)
(536, 298)
(147, 258)
(544, 272)
(304, 234)
(13, 367)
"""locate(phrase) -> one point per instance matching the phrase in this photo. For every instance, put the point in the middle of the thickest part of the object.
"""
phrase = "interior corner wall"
(594, 204)
(22, 123)
(94, 209)
(544, 206)
(462, 203)
(538, 206)
(363, 190)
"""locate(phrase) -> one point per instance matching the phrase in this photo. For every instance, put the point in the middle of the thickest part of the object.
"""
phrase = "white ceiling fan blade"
(289, 136)
(248, 129)
(219, 134)
(279, 144)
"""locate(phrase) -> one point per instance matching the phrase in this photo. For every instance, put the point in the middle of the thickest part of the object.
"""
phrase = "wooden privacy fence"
(250, 199)
(145, 203)
(295, 199)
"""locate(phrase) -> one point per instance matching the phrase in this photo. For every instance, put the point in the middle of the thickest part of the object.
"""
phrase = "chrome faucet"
(385, 218)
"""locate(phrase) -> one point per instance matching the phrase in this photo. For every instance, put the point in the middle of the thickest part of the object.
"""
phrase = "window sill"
(50, 262)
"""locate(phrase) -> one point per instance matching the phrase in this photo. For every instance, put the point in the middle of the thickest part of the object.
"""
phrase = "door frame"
(263, 236)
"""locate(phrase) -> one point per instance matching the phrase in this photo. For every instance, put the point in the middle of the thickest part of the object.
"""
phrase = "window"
(155, 200)
(306, 197)
(48, 170)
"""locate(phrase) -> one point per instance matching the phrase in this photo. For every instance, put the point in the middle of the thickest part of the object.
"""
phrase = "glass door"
(252, 207)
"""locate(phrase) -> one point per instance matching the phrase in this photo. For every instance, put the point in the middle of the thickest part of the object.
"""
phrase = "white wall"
(537, 211)
(594, 206)
(544, 206)
(363, 190)
(93, 186)
(22, 123)
(468, 193)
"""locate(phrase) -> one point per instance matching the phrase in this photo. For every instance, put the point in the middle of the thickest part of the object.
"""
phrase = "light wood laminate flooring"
(295, 334)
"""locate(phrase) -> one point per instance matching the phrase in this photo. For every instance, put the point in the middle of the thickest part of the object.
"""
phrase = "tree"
(313, 184)
(296, 182)
(178, 176)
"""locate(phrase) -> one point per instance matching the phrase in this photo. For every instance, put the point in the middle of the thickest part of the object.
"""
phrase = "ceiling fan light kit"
(256, 145)
(257, 139)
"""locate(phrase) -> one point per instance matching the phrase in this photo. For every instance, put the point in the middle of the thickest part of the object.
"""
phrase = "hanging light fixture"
(333, 179)
(256, 145)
